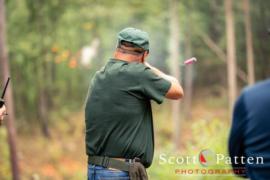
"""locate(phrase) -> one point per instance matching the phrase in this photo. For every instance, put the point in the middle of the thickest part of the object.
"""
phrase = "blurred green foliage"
(45, 39)
(206, 134)
(5, 172)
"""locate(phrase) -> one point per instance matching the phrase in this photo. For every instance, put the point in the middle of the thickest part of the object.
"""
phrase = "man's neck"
(127, 57)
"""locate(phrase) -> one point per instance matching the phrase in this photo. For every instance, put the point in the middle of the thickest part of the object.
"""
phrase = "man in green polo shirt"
(118, 114)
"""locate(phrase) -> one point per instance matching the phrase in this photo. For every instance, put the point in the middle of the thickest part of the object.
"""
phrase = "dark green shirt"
(118, 112)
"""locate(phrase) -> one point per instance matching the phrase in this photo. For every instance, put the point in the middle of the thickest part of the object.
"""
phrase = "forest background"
(51, 49)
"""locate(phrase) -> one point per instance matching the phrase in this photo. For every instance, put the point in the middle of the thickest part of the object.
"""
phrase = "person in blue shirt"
(250, 132)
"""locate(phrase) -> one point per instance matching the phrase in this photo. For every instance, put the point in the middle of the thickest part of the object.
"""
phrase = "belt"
(107, 162)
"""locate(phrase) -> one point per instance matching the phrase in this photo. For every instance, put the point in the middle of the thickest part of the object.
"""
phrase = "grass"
(63, 156)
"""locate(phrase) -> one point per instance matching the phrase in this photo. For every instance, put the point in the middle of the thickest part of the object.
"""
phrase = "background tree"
(231, 53)
(188, 81)
(5, 73)
(249, 43)
(50, 82)
(175, 64)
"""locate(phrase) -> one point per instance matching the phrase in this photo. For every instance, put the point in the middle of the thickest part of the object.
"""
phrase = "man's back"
(118, 115)
(118, 111)
(250, 134)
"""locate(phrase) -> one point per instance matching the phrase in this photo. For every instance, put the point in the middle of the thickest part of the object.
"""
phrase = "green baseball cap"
(135, 36)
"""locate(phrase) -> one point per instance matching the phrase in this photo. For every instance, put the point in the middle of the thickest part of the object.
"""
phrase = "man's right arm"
(176, 90)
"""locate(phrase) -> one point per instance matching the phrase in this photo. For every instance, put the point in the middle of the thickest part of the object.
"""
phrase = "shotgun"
(2, 102)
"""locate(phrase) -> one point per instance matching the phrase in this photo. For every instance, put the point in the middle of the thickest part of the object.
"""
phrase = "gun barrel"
(5, 89)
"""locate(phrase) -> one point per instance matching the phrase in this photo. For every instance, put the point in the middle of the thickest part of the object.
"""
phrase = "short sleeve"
(154, 87)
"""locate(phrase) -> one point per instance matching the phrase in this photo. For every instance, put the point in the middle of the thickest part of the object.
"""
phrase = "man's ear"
(144, 55)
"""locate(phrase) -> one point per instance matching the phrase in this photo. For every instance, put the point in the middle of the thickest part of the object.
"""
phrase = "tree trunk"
(231, 55)
(188, 75)
(249, 43)
(43, 113)
(43, 76)
(174, 66)
(5, 73)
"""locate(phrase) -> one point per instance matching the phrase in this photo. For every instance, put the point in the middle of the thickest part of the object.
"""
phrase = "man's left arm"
(175, 91)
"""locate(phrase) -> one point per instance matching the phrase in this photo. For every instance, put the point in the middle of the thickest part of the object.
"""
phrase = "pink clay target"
(189, 61)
